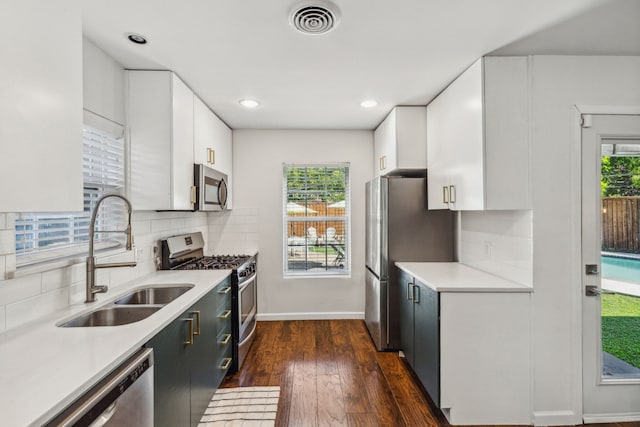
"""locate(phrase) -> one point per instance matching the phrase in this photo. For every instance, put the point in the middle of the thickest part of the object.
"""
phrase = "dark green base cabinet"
(420, 332)
(192, 355)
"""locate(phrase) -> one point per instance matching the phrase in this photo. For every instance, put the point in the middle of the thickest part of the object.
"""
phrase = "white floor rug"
(242, 407)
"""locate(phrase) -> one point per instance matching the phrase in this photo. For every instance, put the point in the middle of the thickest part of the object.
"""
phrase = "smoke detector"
(314, 17)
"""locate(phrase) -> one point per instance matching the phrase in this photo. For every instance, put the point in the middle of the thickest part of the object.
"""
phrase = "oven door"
(247, 304)
(211, 189)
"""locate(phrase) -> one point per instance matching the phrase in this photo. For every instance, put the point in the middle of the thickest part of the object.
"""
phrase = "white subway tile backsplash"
(56, 279)
(3, 268)
(3, 318)
(159, 225)
(31, 309)
(498, 242)
(3, 221)
(20, 288)
(177, 223)
(141, 227)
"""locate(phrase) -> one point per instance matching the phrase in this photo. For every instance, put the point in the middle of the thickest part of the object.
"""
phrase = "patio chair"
(312, 236)
(330, 234)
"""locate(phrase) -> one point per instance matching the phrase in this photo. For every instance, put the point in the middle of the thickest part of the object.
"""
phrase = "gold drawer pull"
(226, 339)
(197, 331)
(190, 340)
(226, 364)
(226, 314)
(225, 290)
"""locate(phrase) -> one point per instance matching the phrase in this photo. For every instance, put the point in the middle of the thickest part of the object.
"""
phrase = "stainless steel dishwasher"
(124, 398)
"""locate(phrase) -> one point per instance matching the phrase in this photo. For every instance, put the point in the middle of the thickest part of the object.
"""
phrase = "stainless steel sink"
(154, 294)
(112, 316)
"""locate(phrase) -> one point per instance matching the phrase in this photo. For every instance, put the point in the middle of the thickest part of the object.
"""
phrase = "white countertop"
(43, 368)
(458, 277)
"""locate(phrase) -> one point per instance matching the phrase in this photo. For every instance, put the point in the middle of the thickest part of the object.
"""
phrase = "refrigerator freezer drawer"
(375, 311)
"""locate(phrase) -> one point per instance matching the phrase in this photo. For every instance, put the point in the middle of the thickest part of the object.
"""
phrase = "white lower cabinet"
(470, 350)
(477, 139)
(485, 358)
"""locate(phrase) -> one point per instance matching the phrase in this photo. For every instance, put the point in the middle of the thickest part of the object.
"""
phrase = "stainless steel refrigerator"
(398, 228)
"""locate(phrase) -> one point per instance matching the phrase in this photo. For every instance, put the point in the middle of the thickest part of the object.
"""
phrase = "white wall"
(256, 220)
(558, 83)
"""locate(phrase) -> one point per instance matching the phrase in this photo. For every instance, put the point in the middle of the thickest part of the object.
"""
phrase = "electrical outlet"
(139, 254)
(487, 249)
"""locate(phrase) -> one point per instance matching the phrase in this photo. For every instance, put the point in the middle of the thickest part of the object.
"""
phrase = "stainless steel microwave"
(210, 188)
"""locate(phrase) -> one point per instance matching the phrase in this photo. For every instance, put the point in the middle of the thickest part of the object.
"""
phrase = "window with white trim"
(316, 219)
(46, 236)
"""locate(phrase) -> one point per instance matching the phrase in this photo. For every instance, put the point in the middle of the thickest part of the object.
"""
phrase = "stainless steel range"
(185, 252)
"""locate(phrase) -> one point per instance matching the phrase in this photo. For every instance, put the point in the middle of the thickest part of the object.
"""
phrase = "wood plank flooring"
(331, 375)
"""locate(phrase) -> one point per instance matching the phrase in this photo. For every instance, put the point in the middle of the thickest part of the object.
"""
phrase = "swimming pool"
(627, 269)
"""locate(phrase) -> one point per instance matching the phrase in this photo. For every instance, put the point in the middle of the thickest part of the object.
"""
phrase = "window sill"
(35, 266)
(317, 276)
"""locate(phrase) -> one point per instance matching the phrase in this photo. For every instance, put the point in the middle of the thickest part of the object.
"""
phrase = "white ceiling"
(401, 52)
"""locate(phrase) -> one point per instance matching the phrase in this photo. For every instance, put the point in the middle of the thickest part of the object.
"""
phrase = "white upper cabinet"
(160, 125)
(212, 144)
(41, 106)
(477, 139)
(400, 141)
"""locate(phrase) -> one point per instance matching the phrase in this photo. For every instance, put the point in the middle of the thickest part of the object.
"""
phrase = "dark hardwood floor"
(331, 375)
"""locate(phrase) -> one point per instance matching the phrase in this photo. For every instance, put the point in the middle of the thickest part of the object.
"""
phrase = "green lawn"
(621, 327)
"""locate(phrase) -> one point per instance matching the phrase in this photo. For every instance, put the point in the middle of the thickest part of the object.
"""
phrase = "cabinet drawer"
(223, 362)
(223, 301)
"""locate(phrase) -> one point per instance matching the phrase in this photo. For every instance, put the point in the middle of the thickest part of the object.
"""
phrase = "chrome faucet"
(92, 289)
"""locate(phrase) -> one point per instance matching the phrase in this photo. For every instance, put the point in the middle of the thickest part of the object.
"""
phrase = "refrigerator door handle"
(416, 295)
(409, 288)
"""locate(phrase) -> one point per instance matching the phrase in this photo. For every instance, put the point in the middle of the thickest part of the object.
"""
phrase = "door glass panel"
(620, 260)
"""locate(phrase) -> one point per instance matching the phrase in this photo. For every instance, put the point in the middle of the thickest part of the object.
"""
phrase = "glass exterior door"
(611, 270)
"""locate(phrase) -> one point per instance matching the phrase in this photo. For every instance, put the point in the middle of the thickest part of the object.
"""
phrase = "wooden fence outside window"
(621, 224)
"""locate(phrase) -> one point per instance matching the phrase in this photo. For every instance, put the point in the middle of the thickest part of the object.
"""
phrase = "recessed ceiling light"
(249, 103)
(136, 38)
(369, 103)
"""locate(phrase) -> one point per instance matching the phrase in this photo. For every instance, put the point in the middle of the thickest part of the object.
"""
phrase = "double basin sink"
(132, 307)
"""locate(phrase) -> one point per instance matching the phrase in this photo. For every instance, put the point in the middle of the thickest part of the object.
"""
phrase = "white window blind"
(44, 236)
(316, 219)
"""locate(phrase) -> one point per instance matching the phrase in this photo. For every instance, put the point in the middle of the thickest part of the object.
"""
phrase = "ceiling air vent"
(314, 18)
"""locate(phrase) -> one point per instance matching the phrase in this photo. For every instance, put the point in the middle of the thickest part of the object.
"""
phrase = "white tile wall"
(234, 231)
(30, 297)
(499, 242)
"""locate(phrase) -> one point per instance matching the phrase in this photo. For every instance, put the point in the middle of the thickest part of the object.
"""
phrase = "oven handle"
(253, 331)
(246, 282)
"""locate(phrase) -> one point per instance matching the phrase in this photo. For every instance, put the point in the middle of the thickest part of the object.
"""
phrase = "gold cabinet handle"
(190, 340)
(226, 314)
(197, 313)
(226, 339)
(445, 194)
(226, 364)
(211, 156)
(193, 194)
(452, 193)
(383, 162)
(224, 290)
